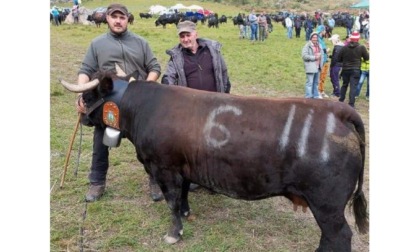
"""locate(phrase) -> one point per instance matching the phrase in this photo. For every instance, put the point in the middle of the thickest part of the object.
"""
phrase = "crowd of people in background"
(349, 60)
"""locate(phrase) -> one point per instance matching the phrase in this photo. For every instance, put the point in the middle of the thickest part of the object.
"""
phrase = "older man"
(196, 63)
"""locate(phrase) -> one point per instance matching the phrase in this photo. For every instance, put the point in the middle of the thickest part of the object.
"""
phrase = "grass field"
(126, 219)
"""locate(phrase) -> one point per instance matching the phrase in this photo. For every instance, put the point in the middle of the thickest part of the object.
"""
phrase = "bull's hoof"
(186, 213)
(170, 239)
(156, 196)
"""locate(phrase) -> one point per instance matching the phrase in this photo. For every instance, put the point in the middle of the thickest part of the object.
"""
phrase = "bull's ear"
(106, 85)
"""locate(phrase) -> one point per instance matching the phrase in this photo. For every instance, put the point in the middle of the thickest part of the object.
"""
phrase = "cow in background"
(130, 18)
(311, 151)
(223, 19)
(145, 15)
(213, 21)
(168, 19)
(98, 18)
(193, 19)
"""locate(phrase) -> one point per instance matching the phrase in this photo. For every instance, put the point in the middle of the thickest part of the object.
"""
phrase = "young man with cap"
(196, 63)
(351, 57)
(131, 52)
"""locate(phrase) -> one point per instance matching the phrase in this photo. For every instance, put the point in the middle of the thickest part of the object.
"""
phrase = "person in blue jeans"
(56, 14)
(364, 74)
(254, 25)
(308, 26)
(289, 26)
(312, 57)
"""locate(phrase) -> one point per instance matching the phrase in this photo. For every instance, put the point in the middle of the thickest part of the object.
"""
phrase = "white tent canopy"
(183, 7)
(157, 9)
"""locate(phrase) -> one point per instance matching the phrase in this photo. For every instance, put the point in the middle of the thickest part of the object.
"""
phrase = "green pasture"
(126, 219)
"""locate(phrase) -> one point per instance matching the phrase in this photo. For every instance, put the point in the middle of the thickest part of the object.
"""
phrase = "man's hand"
(80, 105)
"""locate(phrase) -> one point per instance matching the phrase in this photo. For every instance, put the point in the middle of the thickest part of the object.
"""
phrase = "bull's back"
(222, 140)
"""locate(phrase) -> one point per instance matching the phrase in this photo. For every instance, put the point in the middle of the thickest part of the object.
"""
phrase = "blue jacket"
(55, 12)
(322, 44)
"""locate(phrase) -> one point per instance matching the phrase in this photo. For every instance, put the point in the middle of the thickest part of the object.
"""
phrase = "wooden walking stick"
(69, 150)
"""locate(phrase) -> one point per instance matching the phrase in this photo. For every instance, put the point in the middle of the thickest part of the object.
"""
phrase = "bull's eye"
(111, 115)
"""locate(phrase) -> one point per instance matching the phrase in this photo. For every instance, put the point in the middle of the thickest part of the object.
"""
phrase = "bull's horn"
(80, 88)
(120, 72)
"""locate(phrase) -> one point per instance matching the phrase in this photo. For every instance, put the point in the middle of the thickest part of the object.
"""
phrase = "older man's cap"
(186, 26)
(117, 7)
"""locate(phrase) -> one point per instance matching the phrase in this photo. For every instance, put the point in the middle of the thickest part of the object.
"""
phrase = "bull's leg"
(185, 207)
(171, 185)
(335, 232)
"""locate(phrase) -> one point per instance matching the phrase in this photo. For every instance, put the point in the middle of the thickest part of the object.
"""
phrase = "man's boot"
(95, 192)
(155, 191)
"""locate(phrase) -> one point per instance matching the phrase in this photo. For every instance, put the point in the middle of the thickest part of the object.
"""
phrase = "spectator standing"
(335, 66)
(365, 25)
(351, 56)
(312, 57)
(132, 53)
(240, 21)
(75, 14)
(196, 63)
(253, 20)
(349, 24)
(56, 14)
(309, 26)
(325, 64)
(364, 75)
(289, 26)
(247, 26)
(298, 26)
(329, 26)
(262, 27)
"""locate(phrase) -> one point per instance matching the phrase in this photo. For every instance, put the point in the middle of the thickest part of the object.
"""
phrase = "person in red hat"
(351, 57)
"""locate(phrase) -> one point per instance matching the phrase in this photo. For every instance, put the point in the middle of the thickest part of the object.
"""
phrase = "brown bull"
(310, 151)
(98, 18)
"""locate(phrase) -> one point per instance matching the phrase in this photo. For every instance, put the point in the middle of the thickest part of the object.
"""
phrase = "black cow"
(168, 19)
(130, 18)
(235, 20)
(193, 19)
(213, 21)
(308, 150)
(223, 19)
(145, 15)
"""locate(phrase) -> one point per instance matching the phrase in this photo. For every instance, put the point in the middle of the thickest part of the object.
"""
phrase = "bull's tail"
(359, 202)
